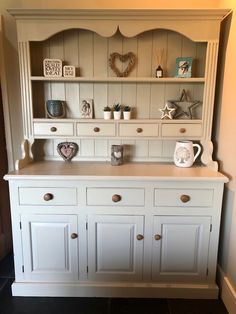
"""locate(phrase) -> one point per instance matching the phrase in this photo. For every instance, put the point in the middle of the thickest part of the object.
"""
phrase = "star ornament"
(184, 106)
(167, 112)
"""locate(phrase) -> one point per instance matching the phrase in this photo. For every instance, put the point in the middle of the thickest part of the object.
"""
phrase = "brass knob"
(53, 129)
(140, 237)
(182, 130)
(48, 197)
(96, 129)
(74, 236)
(139, 130)
(185, 198)
(116, 198)
(157, 237)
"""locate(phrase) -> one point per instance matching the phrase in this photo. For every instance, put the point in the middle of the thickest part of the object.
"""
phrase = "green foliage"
(107, 108)
(117, 107)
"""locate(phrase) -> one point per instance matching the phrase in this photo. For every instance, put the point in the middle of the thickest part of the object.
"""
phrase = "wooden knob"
(116, 198)
(53, 129)
(140, 237)
(185, 198)
(182, 130)
(157, 237)
(74, 236)
(139, 130)
(48, 197)
(96, 129)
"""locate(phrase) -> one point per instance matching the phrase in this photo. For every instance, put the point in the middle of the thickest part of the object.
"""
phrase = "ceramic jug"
(184, 154)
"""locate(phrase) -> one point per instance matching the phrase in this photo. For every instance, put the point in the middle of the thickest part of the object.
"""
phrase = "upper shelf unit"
(86, 39)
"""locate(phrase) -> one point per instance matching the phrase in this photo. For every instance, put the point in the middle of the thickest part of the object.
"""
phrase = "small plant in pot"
(127, 112)
(107, 112)
(117, 111)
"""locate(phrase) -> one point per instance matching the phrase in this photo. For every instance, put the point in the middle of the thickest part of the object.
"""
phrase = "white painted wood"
(175, 130)
(103, 196)
(181, 253)
(138, 130)
(50, 254)
(53, 129)
(172, 197)
(114, 253)
(36, 196)
(96, 129)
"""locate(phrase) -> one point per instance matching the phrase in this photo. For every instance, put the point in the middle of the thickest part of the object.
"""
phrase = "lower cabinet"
(115, 238)
(180, 248)
(50, 247)
(115, 247)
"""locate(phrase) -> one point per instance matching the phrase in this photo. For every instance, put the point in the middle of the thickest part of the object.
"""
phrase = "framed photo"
(52, 67)
(184, 67)
(86, 108)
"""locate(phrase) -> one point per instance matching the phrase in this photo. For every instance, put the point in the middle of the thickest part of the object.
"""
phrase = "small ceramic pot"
(117, 115)
(55, 109)
(107, 115)
(126, 115)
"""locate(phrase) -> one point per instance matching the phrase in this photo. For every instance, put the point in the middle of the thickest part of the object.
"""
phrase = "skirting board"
(227, 292)
(186, 291)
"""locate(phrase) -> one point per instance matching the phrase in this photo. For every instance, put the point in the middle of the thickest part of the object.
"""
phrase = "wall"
(226, 150)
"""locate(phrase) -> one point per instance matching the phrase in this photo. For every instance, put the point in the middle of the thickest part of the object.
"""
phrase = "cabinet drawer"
(138, 129)
(184, 197)
(53, 129)
(181, 130)
(96, 129)
(115, 196)
(47, 196)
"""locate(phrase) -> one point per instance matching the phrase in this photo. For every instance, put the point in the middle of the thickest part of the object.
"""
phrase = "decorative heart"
(67, 150)
(130, 57)
(117, 154)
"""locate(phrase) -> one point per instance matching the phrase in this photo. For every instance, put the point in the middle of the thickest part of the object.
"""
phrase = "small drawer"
(115, 196)
(138, 129)
(183, 197)
(96, 129)
(53, 129)
(47, 196)
(181, 130)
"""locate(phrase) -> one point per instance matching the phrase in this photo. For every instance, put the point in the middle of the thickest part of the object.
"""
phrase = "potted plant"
(107, 113)
(127, 112)
(117, 111)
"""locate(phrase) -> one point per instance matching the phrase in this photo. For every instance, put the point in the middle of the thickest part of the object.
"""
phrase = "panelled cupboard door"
(180, 248)
(50, 247)
(115, 247)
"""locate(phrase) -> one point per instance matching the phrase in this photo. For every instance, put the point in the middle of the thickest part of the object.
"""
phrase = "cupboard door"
(50, 247)
(115, 247)
(180, 248)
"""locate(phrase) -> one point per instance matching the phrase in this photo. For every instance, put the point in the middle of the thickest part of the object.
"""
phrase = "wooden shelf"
(120, 79)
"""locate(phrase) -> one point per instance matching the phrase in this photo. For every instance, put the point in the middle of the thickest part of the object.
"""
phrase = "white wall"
(226, 152)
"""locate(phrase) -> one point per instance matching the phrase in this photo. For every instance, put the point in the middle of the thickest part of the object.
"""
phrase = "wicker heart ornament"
(67, 150)
(128, 57)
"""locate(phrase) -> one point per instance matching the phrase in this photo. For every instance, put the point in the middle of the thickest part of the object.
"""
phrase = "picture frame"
(52, 67)
(184, 67)
(69, 71)
(86, 108)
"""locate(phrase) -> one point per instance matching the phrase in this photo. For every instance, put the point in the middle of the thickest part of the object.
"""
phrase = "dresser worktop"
(128, 171)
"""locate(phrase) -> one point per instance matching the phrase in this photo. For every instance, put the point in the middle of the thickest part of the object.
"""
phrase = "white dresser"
(143, 229)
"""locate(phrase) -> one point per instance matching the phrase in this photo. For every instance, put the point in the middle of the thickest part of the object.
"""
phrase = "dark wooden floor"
(39, 305)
